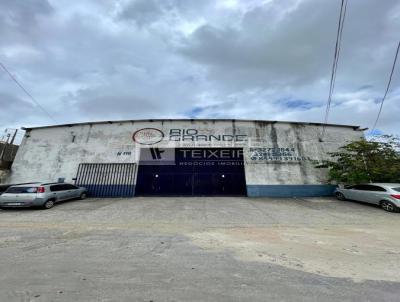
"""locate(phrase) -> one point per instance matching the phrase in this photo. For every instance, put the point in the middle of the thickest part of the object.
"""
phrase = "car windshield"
(396, 189)
(21, 190)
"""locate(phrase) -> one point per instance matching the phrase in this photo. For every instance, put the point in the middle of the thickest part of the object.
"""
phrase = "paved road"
(200, 249)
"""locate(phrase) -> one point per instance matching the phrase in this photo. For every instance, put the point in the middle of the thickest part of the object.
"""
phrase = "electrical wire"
(27, 93)
(342, 17)
(387, 89)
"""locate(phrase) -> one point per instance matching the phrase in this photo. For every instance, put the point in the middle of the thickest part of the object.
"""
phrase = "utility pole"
(13, 137)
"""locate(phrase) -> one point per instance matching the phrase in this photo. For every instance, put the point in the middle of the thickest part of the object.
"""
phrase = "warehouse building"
(182, 157)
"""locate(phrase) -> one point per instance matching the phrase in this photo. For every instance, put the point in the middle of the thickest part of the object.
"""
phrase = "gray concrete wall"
(4, 176)
(7, 154)
(50, 153)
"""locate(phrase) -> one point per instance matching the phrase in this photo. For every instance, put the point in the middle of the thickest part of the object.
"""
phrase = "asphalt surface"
(200, 249)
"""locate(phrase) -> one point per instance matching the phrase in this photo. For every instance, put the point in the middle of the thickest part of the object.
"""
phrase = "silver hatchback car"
(40, 194)
(386, 195)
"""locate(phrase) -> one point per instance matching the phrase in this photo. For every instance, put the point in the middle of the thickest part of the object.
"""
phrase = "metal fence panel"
(107, 180)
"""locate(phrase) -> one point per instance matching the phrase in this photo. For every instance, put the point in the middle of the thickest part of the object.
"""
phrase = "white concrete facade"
(275, 153)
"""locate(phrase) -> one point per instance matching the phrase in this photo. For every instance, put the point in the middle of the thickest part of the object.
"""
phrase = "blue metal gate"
(107, 180)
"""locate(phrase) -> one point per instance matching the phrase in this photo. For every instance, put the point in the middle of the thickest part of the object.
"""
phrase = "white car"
(386, 195)
(40, 194)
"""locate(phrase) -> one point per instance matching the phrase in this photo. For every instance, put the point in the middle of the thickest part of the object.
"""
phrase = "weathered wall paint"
(4, 176)
(47, 154)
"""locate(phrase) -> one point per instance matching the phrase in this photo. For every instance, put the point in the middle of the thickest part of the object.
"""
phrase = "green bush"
(377, 160)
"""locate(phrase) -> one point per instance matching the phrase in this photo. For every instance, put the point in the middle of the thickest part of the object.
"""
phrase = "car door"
(350, 192)
(73, 191)
(61, 192)
(54, 190)
(366, 193)
(357, 192)
(375, 194)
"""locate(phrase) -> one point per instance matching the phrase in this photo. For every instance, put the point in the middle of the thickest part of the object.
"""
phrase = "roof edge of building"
(188, 119)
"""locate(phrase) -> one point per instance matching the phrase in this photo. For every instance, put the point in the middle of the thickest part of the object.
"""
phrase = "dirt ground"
(234, 249)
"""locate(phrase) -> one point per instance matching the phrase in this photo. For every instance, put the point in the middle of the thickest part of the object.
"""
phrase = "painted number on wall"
(277, 154)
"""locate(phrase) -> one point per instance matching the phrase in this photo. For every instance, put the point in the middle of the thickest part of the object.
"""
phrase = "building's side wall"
(4, 176)
(283, 176)
(50, 153)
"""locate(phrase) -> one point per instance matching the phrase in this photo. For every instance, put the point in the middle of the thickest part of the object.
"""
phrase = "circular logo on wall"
(148, 136)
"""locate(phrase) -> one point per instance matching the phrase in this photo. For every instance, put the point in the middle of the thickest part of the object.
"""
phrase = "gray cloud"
(145, 12)
(19, 18)
(142, 12)
(295, 48)
(18, 106)
(104, 60)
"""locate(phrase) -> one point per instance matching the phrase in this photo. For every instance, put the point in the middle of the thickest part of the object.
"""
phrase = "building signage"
(151, 136)
(195, 136)
(277, 154)
(191, 157)
(209, 157)
(210, 154)
(148, 136)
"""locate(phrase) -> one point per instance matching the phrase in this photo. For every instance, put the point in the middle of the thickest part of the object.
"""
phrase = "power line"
(387, 89)
(27, 93)
(342, 17)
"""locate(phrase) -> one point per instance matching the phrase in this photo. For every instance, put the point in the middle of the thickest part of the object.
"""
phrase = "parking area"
(200, 249)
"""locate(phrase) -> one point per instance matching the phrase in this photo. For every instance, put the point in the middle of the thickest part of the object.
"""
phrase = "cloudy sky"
(250, 59)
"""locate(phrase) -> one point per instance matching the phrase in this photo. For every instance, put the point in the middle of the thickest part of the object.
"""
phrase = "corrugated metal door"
(107, 180)
(193, 173)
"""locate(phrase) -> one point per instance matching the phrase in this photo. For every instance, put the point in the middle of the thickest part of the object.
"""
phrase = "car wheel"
(389, 206)
(48, 204)
(83, 196)
(340, 196)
